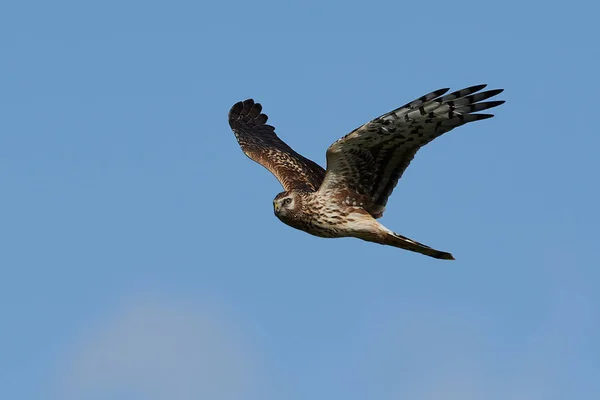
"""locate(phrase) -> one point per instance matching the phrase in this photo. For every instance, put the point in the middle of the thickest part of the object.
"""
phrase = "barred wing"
(259, 142)
(369, 161)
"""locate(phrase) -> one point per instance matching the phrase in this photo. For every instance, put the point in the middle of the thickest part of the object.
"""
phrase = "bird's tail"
(396, 240)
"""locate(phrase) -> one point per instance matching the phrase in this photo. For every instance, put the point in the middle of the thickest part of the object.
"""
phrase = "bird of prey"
(363, 167)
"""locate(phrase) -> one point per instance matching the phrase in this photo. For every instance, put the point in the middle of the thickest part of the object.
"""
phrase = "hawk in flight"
(363, 167)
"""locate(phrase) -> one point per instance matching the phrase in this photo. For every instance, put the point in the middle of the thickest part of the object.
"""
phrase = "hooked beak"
(276, 206)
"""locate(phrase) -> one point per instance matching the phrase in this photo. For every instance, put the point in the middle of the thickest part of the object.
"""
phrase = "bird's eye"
(287, 201)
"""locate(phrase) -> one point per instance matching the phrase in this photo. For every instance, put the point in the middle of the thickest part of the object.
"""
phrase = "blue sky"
(140, 256)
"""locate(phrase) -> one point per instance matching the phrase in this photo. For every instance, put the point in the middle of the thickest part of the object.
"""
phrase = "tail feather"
(396, 240)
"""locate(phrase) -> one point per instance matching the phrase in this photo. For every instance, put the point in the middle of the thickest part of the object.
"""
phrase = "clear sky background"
(139, 254)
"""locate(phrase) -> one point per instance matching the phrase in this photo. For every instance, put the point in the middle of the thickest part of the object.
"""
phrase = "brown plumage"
(363, 167)
(259, 141)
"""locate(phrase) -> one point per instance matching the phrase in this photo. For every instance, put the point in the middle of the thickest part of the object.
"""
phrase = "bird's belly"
(329, 227)
(344, 223)
(331, 222)
(323, 229)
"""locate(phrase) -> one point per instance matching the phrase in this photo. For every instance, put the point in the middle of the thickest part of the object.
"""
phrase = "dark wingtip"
(237, 108)
(248, 105)
(486, 105)
(249, 111)
(479, 117)
(492, 93)
(445, 256)
(241, 107)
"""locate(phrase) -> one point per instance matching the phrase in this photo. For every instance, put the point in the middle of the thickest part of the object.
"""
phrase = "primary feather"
(363, 167)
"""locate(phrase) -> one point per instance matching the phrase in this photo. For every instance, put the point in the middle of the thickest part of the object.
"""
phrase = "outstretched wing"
(259, 142)
(365, 165)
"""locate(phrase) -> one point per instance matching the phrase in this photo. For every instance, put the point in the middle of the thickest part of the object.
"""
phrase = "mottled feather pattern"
(394, 138)
(260, 142)
(363, 167)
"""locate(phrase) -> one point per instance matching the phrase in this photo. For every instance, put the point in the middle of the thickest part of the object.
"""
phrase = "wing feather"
(371, 159)
(261, 144)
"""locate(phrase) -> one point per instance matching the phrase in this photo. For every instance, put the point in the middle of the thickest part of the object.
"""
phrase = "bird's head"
(287, 204)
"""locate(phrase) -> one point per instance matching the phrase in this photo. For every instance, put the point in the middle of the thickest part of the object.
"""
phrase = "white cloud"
(156, 349)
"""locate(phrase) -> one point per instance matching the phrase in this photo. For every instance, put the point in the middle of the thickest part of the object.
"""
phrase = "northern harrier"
(363, 167)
